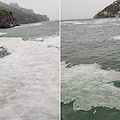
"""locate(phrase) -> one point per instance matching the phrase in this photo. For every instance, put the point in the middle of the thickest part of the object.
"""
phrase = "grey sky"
(78, 9)
(71, 9)
(48, 7)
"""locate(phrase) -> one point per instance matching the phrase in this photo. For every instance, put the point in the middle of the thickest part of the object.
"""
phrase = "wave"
(27, 25)
(21, 26)
(68, 22)
(116, 37)
(2, 33)
(89, 86)
(34, 24)
(29, 79)
(107, 21)
(94, 22)
(74, 22)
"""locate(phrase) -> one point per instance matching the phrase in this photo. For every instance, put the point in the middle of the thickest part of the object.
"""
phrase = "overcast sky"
(79, 9)
(71, 9)
(45, 7)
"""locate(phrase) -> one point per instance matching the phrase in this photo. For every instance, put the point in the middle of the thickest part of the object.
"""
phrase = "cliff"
(110, 11)
(23, 15)
(6, 19)
(30, 12)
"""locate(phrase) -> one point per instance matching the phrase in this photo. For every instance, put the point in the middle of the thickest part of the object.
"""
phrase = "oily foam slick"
(89, 86)
(29, 80)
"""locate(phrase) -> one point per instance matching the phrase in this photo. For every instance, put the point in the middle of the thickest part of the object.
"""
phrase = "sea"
(29, 72)
(90, 69)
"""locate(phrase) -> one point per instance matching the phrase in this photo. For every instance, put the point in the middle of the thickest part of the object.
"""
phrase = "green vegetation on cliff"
(24, 15)
(6, 19)
(110, 11)
(12, 15)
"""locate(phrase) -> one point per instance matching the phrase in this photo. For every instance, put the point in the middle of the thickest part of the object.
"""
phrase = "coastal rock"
(6, 19)
(23, 15)
(111, 11)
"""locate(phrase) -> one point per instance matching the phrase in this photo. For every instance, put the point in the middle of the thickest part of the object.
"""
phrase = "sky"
(44, 7)
(80, 9)
(70, 9)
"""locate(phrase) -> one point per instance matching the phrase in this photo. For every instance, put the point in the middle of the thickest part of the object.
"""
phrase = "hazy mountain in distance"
(23, 15)
(30, 12)
(110, 11)
(27, 11)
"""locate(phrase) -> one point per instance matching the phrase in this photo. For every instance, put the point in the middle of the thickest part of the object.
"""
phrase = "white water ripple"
(2, 33)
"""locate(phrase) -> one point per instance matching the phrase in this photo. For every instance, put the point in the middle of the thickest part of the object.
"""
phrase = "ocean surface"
(90, 69)
(29, 72)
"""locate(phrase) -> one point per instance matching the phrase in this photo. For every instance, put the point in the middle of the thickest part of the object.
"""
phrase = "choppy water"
(33, 30)
(29, 79)
(90, 84)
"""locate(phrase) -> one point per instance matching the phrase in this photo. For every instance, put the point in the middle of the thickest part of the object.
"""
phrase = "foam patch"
(29, 80)
(89, 86)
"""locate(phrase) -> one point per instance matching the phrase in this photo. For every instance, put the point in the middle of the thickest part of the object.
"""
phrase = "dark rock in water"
(111, 11)
(6, 19)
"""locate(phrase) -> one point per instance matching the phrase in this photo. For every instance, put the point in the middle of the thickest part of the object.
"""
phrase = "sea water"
(90, 72)
(29, 72)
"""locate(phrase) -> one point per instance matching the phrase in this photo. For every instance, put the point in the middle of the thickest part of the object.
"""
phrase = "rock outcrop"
(24, 16)
(111, 11)
(6, 19)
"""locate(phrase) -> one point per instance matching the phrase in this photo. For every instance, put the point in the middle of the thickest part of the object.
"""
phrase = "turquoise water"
(90, 54)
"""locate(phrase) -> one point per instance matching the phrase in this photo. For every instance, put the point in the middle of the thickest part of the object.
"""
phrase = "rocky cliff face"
(110, 11)
(23, 15)
(6, 19)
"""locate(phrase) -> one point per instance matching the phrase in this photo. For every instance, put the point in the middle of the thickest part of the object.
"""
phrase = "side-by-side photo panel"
(90, 60)
(29, 60)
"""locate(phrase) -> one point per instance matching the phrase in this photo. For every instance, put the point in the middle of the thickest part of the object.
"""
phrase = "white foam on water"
(39, 39)
(21, 26)
(68, 22)
(31, 24)
(2, 33)
(101, 21)
(29, 80)
(107, 21)
(51, 43)
(116, 37)
(35, 24)
(73, 22)
(79, 23)
(88, 85)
